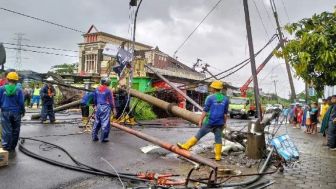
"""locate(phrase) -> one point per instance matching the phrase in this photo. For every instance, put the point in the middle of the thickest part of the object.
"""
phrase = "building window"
(91, 63)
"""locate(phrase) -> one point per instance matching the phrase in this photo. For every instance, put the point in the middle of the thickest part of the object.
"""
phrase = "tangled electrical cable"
(79, 166)
(239, 66)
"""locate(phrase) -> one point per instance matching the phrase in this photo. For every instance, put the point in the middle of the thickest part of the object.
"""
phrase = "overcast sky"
(220, 41)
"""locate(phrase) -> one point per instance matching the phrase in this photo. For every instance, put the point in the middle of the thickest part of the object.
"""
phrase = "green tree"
(64, 68)
(312, 52)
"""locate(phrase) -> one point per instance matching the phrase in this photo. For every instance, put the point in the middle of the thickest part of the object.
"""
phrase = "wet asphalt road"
(122, 152)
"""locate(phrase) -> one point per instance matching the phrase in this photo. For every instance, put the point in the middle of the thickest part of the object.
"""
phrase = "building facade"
(91, 58)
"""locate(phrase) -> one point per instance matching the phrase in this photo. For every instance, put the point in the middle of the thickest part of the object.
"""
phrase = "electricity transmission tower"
(18, 59)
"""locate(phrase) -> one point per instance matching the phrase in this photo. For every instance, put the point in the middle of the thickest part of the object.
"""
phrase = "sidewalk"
(316, 168)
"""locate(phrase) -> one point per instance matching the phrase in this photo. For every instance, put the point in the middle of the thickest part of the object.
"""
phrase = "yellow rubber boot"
(122, 119)
(85, 120)
(131, 121)
(218, 152)
(188, 144)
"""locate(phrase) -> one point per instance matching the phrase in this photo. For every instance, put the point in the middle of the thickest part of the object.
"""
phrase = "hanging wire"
(42, 20)
(286, 12)
(206, 16)
(240, 65)
(41, 47)
(40, 52)
(260, 18)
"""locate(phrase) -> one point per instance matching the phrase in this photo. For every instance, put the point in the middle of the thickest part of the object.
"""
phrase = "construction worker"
(213, 119)
(12, 108)
(36, 96)
(86, 100)
(104, 103)
(124, 114)
(47, 94)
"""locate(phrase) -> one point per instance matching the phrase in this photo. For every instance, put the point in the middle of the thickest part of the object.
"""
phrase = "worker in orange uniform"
(213, 119)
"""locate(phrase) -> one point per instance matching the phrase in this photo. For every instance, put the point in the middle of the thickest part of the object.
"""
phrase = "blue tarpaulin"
(285, 147)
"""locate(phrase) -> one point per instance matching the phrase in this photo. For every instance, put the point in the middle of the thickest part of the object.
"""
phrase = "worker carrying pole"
(104, 103)
(213, 119)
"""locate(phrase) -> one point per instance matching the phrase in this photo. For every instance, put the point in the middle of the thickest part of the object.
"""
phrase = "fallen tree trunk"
(60, 108)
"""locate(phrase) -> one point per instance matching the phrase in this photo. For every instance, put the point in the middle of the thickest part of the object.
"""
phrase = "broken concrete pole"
(173, 148)
(171, 108)
(60, 108)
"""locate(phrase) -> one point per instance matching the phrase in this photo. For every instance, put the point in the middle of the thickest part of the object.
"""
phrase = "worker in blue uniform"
(213, 119)
(47, 94)
(12, 107)
(86, 101)
(104, 103)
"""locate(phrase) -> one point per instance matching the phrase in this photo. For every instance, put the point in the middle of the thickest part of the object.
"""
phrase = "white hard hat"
(50, 79)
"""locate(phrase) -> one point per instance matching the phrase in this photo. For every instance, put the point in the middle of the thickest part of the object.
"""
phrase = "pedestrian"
(36, 96)
(299, 116)
(295, 115)
(3, 79)
(284, 115)
(86, 101)
(291, 114)
(308, 120)
(324, 109)
(104, 103)
(213, 119)
(28, 92)
(314, 118)
(12, 108)
(331, 136)
(325, 121)
(47, 94)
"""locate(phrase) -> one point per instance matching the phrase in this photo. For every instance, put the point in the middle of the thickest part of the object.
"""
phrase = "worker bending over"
(86, 101)
(104, 103)
(213, 119)
(12, 108)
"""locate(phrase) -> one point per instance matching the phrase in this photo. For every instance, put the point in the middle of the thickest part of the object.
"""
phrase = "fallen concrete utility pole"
(176, 88)
(256, 145)
(60, 108)
(185, 153)
(171, 108)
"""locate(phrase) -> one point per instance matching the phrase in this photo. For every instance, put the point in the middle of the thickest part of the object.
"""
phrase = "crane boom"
(243, 89)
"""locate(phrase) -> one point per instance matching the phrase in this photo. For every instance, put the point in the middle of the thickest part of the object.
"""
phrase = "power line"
(241, 64)
(266, 10)
(39, 47)
(41, 52)
(260, 17)
(286, 12)
(42, 20)
(206, 16)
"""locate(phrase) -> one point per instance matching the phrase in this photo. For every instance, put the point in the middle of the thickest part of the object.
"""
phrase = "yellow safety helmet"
(217, 84)
(13, 76)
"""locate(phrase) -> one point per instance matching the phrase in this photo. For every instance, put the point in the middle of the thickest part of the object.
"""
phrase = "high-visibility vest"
(37, 91)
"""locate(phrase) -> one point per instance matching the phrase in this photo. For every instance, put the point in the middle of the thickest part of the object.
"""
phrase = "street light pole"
(253, 66)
